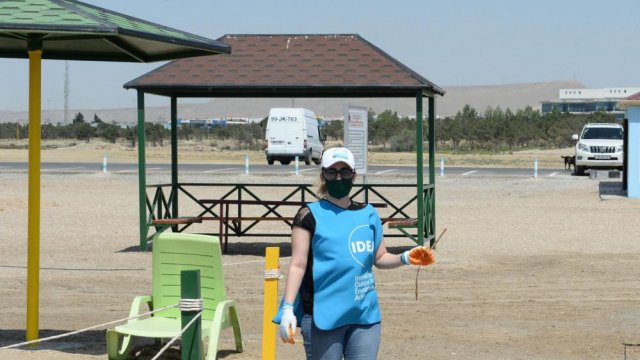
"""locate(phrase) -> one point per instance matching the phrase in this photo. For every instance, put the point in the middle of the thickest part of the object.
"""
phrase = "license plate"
(603, 157)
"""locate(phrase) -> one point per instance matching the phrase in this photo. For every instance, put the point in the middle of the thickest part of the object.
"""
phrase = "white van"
(292, 132)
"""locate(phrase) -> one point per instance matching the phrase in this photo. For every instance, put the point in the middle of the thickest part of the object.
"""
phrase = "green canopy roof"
(69, 29)
(72, 30)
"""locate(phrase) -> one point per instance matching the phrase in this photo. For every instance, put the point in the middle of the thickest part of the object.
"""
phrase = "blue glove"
(288, 324)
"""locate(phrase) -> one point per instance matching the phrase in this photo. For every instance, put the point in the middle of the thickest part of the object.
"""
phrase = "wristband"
(287, 305)
(403, 258)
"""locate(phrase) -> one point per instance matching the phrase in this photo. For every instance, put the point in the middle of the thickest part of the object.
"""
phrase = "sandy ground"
(529, 268)
(208, 151)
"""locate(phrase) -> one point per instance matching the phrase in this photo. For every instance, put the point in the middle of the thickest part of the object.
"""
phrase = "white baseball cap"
(334, 155)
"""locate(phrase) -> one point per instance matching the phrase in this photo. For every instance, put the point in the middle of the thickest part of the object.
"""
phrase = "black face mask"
(339, 188)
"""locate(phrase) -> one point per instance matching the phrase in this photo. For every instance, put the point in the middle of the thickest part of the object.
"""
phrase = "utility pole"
(66, 92)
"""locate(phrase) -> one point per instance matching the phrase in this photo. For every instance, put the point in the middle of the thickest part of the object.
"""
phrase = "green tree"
(78, 118)
(156, 133)
(404, 140)
(109, 132)
(334, 130)
(385, 124)
(82, 131)
(97, 120)
(131, 135)
(185, 132)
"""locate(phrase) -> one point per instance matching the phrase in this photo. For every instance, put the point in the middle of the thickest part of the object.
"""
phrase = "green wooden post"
(142, 176)
(191, 339)
(432, 163)
(419, 169)
(174, 157)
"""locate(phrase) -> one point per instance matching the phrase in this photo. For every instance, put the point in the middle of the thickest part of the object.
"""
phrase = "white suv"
(599, 146)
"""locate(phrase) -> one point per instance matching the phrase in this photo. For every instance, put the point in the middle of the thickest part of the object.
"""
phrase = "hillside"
(513, 96)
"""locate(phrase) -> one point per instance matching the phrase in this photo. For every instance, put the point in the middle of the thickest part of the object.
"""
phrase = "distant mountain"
(512, 96)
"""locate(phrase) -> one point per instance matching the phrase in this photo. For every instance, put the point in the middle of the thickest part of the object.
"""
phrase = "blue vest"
(344, 247)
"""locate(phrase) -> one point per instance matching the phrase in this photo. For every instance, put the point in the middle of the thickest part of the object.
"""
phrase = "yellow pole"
(33, 233)
(270, 306)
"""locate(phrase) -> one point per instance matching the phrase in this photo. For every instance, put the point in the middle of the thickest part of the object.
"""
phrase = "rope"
(420, 267)
(253, 261)
(85, 329)
(190, 305)
(179, 335)
(273, 274)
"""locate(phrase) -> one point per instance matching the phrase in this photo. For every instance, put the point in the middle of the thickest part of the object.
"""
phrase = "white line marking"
(384, 171)
(553, 173)
(303, 170)
(469, 172)
(154, 168)
(64, 169)
(216, 170)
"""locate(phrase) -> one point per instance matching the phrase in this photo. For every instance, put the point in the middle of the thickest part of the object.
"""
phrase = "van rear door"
(284, 132)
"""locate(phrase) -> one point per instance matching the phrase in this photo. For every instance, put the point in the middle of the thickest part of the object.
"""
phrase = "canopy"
(72, 30)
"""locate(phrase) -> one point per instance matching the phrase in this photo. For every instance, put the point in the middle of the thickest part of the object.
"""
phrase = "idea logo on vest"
(361, 245)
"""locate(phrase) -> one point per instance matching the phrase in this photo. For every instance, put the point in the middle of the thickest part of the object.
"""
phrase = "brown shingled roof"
(331, 65)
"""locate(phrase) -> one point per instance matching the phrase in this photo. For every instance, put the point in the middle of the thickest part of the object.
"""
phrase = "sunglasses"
(332, 174)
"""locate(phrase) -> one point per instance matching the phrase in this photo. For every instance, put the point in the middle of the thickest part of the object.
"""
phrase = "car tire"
(580, 170)
(270, 161)
(307, 159)
(285, 162)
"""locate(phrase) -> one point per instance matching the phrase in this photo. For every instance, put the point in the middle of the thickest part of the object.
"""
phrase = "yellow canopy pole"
(33, 234)
(270, 305)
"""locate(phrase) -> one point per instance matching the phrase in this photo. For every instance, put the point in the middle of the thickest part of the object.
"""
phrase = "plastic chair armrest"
(137, 302)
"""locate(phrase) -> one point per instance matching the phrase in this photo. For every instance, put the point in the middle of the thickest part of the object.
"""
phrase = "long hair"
(322, 187)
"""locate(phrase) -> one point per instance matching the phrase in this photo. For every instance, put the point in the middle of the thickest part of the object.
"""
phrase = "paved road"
(267, 169)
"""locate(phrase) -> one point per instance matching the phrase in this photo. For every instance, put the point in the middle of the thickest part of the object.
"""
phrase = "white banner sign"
(356, 135)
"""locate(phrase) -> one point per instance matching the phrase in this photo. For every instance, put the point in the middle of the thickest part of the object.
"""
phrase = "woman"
(335, 242)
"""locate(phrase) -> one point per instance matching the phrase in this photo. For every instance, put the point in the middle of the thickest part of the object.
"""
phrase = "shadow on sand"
(610, 189)
(91, 342)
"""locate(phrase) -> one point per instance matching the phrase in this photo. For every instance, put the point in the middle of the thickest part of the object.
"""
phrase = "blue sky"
(453, 42)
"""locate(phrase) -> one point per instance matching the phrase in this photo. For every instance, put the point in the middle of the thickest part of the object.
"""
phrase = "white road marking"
(469, 172)
(154, 168)
(553, 173)
(384, 171)
(64, 169)
(216, 170)
(303, 170)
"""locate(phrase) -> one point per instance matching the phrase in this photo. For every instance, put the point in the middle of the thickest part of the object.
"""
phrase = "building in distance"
(587, 101)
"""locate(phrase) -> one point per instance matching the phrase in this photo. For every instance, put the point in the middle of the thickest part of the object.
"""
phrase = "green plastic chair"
(172, 253)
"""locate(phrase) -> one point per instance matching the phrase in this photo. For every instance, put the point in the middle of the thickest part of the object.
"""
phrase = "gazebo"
(288, 66)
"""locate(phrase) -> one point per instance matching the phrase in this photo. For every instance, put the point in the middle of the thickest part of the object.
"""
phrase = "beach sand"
(529, 268)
